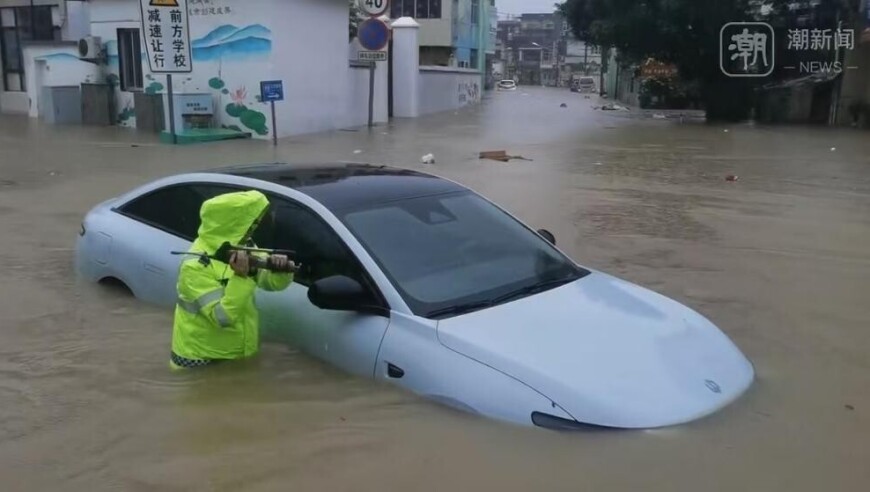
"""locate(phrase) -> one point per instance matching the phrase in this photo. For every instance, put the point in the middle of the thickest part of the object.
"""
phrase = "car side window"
(174, 209)
(319, 249)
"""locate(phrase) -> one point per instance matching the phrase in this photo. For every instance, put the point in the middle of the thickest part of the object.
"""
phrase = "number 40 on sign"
(374, 8)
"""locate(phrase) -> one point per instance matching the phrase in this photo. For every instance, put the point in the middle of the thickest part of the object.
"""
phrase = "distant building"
(452, 33)
(532, 48)
(581, 58)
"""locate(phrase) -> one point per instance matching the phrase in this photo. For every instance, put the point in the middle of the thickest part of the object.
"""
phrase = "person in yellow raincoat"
(215, 315)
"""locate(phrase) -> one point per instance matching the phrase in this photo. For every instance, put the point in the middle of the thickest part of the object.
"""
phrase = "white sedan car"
(418, 281)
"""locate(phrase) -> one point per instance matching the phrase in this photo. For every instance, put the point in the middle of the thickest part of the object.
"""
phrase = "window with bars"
(419, 9)
(17, 26)
(130, 60)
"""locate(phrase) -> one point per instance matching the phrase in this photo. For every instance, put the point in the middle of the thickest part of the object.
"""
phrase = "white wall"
(78, 21)
(302, 42)
(437, 32)
(443, 89)
(18, 101)
(311, 56)
(52, 66)
(106, 17)
(14, 102)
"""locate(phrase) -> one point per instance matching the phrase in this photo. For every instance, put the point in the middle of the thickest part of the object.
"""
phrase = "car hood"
(609, 352)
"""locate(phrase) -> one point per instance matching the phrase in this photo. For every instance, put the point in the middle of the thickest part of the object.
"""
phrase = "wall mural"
(229, 57)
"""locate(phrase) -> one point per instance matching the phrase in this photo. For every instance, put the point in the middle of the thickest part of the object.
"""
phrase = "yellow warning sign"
(164, 3)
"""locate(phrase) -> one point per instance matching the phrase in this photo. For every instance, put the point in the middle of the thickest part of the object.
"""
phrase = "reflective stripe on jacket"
(215, 315)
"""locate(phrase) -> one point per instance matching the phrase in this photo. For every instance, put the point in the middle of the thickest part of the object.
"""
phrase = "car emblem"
(712, 386)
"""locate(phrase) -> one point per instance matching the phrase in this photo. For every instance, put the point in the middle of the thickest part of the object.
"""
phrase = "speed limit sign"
(374, 8)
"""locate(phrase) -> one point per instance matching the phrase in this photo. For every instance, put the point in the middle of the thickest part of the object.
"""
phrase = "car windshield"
(456, 252)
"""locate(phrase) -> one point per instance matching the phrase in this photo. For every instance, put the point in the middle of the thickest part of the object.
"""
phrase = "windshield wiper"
(460, 309)
(534, 289)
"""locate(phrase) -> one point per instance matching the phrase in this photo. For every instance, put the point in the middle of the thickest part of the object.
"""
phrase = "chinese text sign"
(167, 36)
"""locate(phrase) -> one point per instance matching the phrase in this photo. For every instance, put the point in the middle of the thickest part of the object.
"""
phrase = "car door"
(349, 340)
(163, 220)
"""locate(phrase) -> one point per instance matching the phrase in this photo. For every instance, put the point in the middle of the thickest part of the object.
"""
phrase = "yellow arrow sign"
(164, 3)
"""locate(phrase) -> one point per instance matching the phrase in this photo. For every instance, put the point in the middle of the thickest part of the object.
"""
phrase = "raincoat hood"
(228, 218)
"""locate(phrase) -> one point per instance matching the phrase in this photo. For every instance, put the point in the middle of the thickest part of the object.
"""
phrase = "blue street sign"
(271, 90)
(373, 34)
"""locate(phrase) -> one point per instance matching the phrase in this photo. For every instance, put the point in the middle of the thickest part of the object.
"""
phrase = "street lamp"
(540, 62)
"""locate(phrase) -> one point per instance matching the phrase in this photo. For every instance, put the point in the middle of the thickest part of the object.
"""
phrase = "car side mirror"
(548, 236)
(340, 293)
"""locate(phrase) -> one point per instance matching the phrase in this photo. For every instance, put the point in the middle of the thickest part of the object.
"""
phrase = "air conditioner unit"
(90, 48)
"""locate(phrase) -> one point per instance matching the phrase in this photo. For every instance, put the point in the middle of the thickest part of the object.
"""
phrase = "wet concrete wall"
(443, 89)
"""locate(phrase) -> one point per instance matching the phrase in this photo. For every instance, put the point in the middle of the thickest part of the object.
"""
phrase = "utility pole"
(601, 71)
(585, 58)
(558, 65)
(837, 83)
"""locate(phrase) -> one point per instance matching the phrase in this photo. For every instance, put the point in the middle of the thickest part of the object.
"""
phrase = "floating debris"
(500, 155)
(428, 159)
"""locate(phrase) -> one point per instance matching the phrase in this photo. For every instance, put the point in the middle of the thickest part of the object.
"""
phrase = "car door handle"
(395, 371)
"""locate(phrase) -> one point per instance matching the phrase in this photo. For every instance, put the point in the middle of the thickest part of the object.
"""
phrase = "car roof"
(344, 186)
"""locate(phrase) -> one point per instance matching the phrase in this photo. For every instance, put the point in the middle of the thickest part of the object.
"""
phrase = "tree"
(686, 33)
(682, 32)
(355, 19)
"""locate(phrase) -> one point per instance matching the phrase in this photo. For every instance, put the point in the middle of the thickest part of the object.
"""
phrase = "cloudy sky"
(524, 6)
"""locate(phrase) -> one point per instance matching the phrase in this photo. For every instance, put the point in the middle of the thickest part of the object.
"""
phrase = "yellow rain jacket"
(215, 316)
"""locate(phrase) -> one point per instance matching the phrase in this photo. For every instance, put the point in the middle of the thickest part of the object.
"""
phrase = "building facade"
(26, 22)
(236, 44)
(453, 33)
(532, 48)
(581, 59)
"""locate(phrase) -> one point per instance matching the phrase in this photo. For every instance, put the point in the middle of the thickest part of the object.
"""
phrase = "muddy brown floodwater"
(778, 259)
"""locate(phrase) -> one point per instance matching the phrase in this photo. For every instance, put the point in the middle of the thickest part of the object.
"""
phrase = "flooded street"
(778, 259)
